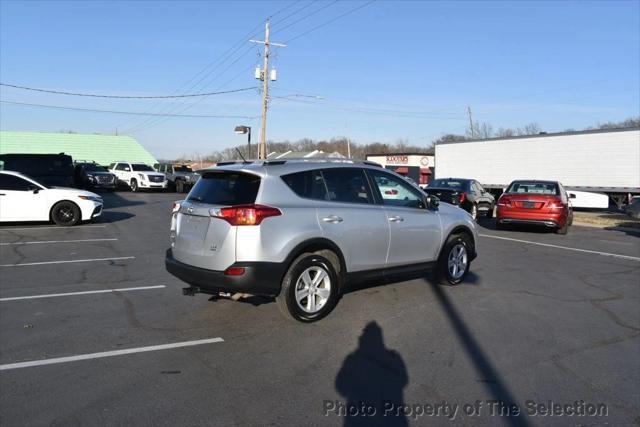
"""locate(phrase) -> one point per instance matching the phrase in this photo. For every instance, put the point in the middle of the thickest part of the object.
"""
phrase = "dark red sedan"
(544, 203)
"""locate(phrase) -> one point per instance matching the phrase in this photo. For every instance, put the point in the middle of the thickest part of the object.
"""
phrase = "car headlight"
(92, 198)
(142, 176)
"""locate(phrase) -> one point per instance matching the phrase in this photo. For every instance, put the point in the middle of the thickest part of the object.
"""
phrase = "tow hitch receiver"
(190, 291)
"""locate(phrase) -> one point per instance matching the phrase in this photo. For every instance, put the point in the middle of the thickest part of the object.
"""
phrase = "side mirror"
(127, 169)
(432, 202)
(34, 189)
(572, 196)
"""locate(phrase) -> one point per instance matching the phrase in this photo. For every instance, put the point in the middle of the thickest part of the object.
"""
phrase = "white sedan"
(24, 199)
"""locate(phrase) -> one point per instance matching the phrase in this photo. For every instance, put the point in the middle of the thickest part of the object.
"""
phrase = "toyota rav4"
(302, 230)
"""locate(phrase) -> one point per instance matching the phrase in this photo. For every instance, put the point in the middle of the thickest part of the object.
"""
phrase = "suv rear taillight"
(462, 197)
(245, 214)
(175, 208)
(504, 201)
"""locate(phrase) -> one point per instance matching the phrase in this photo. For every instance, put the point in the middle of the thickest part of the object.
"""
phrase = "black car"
(467, 193)
(52, 170)
(92, 176)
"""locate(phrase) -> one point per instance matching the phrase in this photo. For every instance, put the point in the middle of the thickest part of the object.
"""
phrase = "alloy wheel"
(457, 261)
(313, 289)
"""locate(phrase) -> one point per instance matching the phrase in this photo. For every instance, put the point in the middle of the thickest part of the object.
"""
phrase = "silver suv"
(302, 230)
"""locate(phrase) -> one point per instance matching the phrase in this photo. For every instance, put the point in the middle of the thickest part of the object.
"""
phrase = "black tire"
(287, 298)
(443, 273)
(134, 185)
(563, 230)
(179, 187)
(65, 213)
(490, 211)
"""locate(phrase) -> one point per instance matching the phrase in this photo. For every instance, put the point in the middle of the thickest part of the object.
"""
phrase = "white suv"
(138, 176)
(302, 230)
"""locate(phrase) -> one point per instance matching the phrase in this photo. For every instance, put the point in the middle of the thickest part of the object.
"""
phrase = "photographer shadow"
(371, 380)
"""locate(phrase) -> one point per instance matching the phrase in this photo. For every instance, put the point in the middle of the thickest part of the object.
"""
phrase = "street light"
(241, 130)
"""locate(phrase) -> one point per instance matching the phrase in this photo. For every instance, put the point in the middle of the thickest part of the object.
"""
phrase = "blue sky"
(387, 71)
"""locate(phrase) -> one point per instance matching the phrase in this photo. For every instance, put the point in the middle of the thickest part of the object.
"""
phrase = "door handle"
(332, 219)
(1, 194)
(396, 218)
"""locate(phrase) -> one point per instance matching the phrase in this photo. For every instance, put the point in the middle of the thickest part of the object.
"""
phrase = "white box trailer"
(601, 161)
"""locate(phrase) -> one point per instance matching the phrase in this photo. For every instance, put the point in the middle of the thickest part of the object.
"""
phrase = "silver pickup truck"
(181, 177)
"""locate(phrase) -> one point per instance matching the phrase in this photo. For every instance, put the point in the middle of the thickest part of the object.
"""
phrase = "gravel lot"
(542, 318)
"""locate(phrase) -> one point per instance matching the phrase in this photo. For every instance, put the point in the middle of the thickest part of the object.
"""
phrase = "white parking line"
(102, 354)
(633, 258)
(57, 227)
(58, 241)
(102, 291)
(66, 262)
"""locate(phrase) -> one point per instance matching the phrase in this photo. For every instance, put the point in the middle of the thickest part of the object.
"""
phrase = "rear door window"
(226, 188)
(347, 185)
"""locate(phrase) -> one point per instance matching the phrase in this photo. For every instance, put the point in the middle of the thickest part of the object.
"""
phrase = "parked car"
(24, 199)
(92, 176)
(180, 177)
(49, 169)
(633, 208)
(532, 202)
(138, 176)
(301, 231)
(466, 193)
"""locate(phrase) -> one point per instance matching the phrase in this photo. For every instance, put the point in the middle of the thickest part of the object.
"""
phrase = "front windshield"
(139, 167)
(92, 167)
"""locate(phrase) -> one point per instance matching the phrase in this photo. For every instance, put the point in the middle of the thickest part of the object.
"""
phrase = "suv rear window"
(226, 188)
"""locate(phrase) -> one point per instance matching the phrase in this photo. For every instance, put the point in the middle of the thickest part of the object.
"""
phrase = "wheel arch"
(315, 245)
(460, 229)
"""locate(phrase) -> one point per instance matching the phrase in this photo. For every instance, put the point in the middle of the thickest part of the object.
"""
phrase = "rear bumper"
(513, 216)
(545, 222)
(259, 278)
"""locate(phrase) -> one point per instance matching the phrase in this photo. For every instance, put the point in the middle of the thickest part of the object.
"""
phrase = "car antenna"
(241, 156)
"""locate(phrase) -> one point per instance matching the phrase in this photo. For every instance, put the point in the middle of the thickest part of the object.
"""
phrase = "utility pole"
(471, 123)
(264, 76)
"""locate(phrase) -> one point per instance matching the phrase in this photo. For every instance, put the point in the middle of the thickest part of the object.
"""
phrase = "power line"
(134, 113)
(330, 21)
(323, 7)
(93, 95)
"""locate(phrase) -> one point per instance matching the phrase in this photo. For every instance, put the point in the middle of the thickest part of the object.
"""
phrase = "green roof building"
(102, 149)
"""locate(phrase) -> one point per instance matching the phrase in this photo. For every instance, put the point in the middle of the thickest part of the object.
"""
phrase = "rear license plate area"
(528, 205)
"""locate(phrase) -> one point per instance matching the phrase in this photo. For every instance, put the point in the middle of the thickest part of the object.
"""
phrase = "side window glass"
(13, 183)
(348, 185)
(308, 184)
(395, 192)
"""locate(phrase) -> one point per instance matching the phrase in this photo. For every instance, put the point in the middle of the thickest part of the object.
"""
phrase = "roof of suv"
(283, 167)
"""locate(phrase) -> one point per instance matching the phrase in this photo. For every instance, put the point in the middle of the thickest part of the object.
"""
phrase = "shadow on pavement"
(371, 378)
(486, 371)
(112, 216)
(115, 200)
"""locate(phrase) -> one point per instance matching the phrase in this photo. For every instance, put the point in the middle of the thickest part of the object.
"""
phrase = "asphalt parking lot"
(94, 331)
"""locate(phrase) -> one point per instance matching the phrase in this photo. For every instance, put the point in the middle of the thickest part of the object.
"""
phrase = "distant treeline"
(342, 145)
